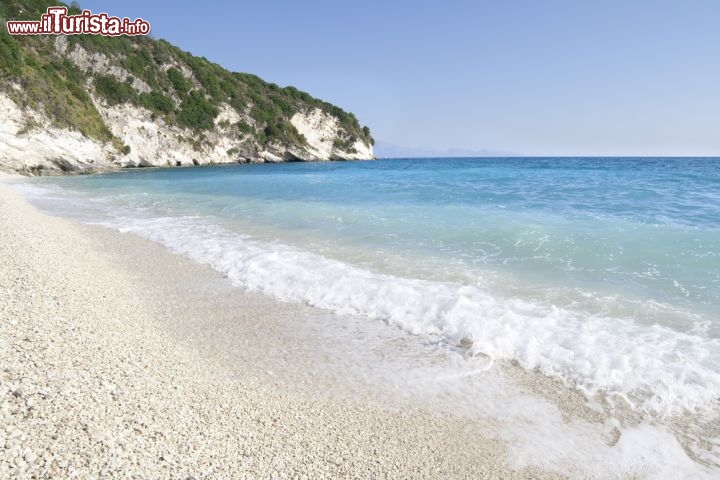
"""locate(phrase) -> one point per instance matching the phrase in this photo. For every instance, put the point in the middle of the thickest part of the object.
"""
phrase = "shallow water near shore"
(602, 274)
(294, 347)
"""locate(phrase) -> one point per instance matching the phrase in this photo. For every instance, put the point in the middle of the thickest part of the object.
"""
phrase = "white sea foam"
(655, 369)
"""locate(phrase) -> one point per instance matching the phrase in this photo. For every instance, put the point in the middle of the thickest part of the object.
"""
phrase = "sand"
(107, 370)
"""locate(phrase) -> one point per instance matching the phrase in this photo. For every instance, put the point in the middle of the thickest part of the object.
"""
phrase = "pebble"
(30, 457)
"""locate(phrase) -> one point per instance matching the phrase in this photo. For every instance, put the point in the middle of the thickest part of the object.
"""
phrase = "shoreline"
(96, 382)
(410, 409)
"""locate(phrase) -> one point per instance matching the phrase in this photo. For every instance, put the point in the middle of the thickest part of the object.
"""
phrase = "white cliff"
(320, 131)
(31, 143)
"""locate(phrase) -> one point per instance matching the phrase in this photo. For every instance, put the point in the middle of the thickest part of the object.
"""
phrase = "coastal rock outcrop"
(30, 145)
(84, 103)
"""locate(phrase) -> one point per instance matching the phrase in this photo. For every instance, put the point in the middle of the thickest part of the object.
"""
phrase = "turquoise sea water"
(604, 272)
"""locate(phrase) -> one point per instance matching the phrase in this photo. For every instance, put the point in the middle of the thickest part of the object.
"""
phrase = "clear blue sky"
(536, 77)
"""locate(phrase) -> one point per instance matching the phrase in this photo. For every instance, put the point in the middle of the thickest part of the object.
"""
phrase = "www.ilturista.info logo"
(57, 22)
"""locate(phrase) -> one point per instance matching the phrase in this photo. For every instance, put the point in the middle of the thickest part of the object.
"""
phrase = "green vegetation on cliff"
(176, 86)
(47, 82)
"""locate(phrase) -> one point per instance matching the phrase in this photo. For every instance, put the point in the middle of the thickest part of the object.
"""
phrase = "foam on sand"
(653, 369)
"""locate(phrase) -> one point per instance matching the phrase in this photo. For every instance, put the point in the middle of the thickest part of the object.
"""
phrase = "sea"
(602, 273)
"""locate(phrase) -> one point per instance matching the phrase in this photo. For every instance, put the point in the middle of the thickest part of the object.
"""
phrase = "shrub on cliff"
(114, 90)
(196, 112)
(178, 80)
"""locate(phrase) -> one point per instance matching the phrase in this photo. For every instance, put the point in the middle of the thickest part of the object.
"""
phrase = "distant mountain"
(389, 150)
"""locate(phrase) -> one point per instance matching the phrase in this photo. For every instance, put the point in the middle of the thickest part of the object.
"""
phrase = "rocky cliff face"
(31, 145)
(84, 103)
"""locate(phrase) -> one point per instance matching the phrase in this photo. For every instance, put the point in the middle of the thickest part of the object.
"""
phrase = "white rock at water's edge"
(28, 142)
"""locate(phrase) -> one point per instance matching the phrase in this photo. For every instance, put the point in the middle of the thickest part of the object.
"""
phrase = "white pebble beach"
(98, 380)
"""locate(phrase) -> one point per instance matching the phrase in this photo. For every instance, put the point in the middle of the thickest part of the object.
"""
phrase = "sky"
(542, 78)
